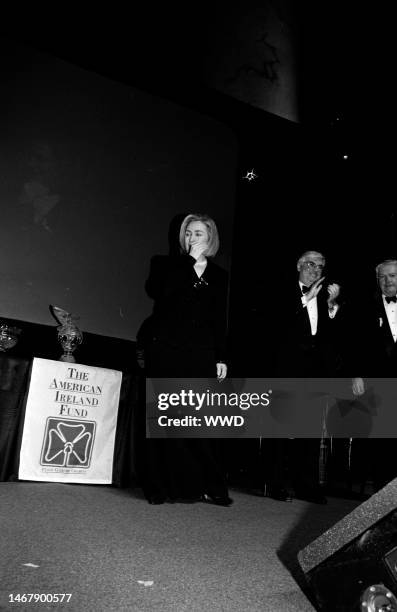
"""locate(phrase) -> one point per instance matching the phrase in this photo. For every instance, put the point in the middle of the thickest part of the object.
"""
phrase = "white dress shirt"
(391, 312)
(312, 310)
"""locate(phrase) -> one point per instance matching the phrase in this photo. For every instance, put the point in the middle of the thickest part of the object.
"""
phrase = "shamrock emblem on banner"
(68, 445)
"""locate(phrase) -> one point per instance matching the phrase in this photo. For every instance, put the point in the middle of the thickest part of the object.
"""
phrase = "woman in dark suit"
(187, 340)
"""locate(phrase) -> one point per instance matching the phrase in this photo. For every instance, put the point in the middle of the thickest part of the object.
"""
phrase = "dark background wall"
(93, 171)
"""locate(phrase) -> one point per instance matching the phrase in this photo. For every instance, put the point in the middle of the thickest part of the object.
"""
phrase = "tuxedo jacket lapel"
(302, 313)
(383, 325)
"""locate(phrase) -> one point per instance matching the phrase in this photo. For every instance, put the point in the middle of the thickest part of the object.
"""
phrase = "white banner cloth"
(70, 423)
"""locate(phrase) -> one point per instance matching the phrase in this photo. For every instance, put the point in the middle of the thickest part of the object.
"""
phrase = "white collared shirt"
(312, 310)
(391, 312)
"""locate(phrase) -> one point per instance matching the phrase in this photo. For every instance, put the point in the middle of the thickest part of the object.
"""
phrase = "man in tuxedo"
(306, 330)
(305, 345)
(375, 323)
(383, 355)
(376, 352)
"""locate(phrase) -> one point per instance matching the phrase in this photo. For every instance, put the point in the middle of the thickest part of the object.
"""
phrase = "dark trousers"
(292, 462)
(297, 461)
(374, 459)
(180, 468)
(183, 469)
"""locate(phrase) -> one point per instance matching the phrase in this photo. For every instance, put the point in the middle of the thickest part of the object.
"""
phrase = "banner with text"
(70, 423)
(271, 408)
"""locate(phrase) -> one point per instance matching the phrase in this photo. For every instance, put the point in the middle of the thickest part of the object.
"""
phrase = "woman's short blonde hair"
(213, 236)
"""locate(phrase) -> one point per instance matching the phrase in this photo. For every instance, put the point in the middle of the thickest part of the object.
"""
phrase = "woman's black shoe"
(221, 500)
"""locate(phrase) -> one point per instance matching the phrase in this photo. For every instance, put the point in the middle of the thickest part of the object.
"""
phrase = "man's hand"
(358, 386)
(221, 371)
(333, 292)
(314, 290)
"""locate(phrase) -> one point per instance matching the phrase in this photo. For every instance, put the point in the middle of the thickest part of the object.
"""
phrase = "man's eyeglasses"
(311, 265)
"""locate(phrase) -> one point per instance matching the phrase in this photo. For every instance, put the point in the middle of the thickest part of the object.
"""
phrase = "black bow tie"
(391, 299)
(305, 289)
